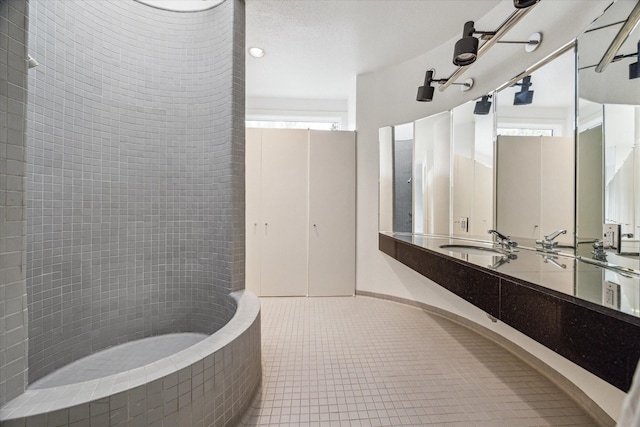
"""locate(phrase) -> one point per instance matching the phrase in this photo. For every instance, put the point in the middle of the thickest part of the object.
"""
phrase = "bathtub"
(210, 383)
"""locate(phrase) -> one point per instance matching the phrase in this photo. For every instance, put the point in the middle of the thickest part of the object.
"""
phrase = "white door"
(254, 223)
(332, 185)
(284, 200)
(518, 186)
(557, 187)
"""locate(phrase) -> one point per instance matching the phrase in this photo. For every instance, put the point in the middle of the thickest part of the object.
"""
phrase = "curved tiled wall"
(135, 175)
(211, 383)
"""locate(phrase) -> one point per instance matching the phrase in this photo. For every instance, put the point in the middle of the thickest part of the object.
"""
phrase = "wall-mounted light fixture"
(425, 93)
(483, 106)
(465, 51)
(522, 8)
(634, 69)
(524, 96)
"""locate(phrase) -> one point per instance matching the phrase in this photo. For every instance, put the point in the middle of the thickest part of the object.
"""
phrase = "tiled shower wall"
(13, 97)
(135, 174)
(402, 187)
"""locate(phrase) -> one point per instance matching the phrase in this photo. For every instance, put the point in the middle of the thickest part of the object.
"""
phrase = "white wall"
(387, 97)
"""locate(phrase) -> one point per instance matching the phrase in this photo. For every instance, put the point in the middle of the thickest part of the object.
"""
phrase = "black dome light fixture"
(425, 93)
(465, 51)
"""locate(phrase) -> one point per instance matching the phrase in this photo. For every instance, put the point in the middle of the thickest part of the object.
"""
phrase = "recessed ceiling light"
(256, 52)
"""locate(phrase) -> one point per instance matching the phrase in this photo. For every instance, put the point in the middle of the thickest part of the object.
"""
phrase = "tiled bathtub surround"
(135, 174)
(208, 384)
(13, 97)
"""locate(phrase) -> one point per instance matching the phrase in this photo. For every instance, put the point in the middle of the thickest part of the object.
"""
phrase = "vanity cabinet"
(300, 212)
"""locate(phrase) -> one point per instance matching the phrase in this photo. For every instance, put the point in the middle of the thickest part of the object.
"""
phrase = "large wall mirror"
(449, 174)
(608, 169)
(396, 179)
(431, 174)
(472, 188)
(535, 154)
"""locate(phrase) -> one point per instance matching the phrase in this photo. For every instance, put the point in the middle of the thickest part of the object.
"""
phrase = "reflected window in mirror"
(524, 132)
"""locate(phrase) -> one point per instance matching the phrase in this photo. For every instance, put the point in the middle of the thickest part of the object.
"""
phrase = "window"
(525, 132)
(277, 124)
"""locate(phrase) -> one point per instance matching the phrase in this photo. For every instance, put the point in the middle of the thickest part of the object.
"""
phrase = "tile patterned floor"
(120, 358)
(360, 361)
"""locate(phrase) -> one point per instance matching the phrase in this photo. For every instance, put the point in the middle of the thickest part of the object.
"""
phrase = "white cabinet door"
(535, 186)
(254, 223)
(284, 203)
(590, 186)
(518, 186)
(557, 187)
(332, 213)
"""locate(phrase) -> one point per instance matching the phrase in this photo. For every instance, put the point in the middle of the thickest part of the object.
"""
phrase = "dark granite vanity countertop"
(586, 313)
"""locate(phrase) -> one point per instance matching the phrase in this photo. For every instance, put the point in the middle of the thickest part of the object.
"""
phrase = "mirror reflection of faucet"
(598, 251)
(549, 259)
(505, 259)
(548, 243)
(505, 242)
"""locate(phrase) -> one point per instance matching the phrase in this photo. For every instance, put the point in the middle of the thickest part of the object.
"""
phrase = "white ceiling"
(315, 48)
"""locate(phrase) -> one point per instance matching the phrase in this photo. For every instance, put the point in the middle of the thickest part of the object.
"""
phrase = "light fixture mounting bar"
(564, 49)
(520, 42)
(619, 39)
(509, 23)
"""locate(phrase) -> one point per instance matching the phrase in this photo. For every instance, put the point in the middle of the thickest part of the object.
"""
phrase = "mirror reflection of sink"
(472, 249)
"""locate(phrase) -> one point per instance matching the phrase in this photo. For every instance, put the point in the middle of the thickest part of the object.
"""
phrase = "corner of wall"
(13, 167)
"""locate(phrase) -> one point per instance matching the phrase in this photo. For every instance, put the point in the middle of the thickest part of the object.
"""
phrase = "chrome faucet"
(598, 251)
(505, 242)
(548, 243)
